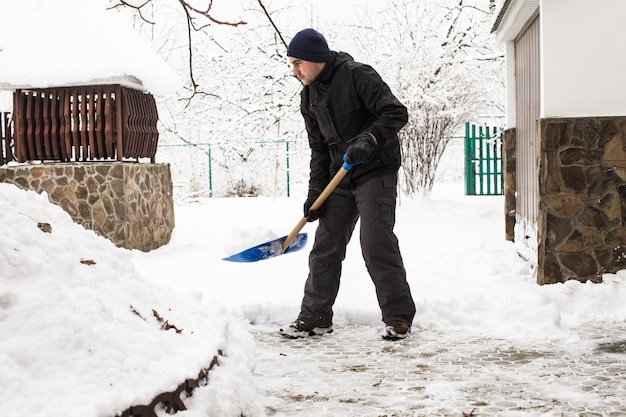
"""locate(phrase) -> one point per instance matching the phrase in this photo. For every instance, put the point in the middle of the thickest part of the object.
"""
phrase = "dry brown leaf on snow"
(168, 326)
(157, 316)
(165, 323)
(87, 262)
(45, 227)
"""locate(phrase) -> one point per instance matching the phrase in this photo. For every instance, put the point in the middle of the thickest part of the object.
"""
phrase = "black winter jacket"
(347, 99)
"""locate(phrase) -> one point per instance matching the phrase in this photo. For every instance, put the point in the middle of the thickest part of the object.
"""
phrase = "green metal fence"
(243, 168)
(483, 160)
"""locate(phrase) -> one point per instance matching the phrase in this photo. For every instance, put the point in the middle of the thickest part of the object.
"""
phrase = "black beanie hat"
(309, 45)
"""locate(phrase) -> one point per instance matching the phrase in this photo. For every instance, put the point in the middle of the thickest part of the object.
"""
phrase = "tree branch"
(189, 10)
(194, 84)
(124, 3)
(267, 14)
(207, 13)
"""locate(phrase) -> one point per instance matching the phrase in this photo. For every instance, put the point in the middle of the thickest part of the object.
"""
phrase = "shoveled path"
(353, 372)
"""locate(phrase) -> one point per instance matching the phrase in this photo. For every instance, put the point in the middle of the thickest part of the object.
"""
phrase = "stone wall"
(129, 203)
(582, 197)
(509, 161)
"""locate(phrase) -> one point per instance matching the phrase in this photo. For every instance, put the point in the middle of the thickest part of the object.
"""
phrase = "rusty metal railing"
(139, 124)
(91, 123)
(6, 138)
(172, 401)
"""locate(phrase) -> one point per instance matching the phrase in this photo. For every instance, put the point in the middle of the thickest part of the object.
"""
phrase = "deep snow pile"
(80, 327)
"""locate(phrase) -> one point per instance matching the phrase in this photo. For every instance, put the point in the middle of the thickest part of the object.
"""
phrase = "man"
(349, 110)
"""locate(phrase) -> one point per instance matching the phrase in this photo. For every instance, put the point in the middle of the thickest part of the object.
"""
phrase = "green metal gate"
(483, 160)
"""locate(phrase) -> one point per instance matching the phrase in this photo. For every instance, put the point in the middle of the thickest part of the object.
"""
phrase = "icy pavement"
(352, 372)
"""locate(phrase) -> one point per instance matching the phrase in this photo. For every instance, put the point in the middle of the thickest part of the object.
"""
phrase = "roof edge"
(500, 15)
(128, 81)
(513, 17)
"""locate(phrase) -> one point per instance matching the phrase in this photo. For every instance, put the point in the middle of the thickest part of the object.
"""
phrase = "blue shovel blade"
(268, 249)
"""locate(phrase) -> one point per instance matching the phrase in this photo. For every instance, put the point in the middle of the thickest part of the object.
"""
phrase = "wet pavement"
(353, 372)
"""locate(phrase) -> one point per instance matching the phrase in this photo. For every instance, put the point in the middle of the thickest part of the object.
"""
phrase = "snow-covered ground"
(83, 331)
(80, 338)
(82, 322)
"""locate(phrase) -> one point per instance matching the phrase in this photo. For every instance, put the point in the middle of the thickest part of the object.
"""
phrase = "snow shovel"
(293, 241)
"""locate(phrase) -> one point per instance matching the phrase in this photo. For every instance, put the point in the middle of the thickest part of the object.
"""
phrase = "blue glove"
(360, 151)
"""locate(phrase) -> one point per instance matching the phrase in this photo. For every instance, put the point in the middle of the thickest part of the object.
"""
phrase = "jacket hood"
(336, 59)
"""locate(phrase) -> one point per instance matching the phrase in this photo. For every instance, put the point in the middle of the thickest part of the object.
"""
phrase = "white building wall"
(583, 58)
(518, 15)
(511, 116)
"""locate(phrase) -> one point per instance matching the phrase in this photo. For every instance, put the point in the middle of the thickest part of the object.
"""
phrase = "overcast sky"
(16, 13)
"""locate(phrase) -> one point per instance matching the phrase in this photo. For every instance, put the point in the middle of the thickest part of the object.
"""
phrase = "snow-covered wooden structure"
(565, 143)
(84, 115)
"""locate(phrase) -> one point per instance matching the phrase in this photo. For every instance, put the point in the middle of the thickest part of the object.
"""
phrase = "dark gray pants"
(375, 203)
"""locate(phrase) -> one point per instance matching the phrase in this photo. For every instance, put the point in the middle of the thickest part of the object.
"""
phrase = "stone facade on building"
(509, 160)
(582, 186)
(581, 225)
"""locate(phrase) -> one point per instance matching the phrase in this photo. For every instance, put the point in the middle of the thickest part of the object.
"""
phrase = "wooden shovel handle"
(317, 204)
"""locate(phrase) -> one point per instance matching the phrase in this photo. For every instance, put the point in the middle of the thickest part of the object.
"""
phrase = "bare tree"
(196, 20)
(240, 100)
(237, 71)
(442, 60)
(450, 89)
(437, 56)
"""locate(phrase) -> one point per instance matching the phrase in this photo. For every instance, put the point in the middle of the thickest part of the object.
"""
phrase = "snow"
(84, 338)
(78, 325)
(80, 43)
(79, 336)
